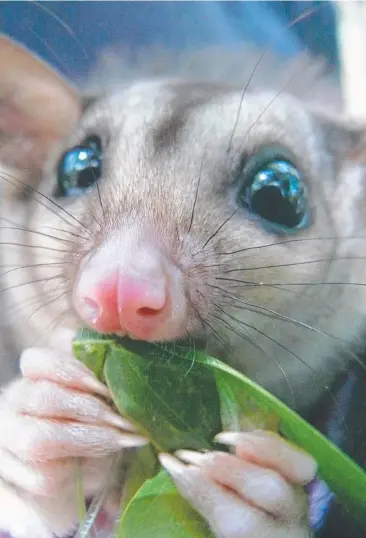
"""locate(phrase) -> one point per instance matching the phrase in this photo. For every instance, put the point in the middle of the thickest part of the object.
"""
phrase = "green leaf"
(158, 511)
(164, 397)
(239, 410)
(144, 466)
(181, 399)
(91, 349)
(80, 496)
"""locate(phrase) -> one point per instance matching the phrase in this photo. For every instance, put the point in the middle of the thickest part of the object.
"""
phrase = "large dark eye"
(276, 192)
(80, 167)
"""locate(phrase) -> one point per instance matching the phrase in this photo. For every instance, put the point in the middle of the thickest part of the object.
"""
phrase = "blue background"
(178, 25)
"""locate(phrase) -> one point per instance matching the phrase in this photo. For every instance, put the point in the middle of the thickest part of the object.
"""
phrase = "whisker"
(235, 331)
(319, 260)
(279, 284)
(305, 14)
(240, 281)
(298, 240)
(285, 348)
(60, 283)
(24, 245)
(78, 236)
(205, 323)
(281, 317)
(193, 347)
(253, 285)
(29, 230)
(266, 108)
(54, 212)
(9, 221)
(56, 277)
(52, 51)
(62, 23)
(36, 191)
(20, 307)
(178, 235)
(51, 265)
(213, 315)
(36, 281)
(243, 94)
(257, 346)
(99, 197)
(256, 309)
(218, 336)
(316, 284)
(56, 320)
(54, 299)
(219, 228)
(195, 198)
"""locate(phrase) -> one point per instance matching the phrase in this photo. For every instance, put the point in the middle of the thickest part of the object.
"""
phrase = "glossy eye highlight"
(80, 167)
(277, 193)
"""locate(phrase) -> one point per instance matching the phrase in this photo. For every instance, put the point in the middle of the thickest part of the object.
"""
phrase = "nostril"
(146, 311)
(90, 309)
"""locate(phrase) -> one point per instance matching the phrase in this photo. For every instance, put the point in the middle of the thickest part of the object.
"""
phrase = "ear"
(37, 108)
(345, 138)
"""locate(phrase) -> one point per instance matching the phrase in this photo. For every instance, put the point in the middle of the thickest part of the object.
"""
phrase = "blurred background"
(177, 26)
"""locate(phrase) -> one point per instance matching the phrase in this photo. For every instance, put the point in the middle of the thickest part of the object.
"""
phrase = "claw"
(64, 369)
(44, 399)
(273, 451)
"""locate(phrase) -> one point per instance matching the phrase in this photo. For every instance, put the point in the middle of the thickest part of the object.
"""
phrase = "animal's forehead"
(158, 105)
(156, 120)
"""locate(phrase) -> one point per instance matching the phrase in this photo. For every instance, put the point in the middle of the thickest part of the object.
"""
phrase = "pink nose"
(122, 304)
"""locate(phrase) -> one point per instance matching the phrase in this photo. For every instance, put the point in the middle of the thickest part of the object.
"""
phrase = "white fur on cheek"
(352, 186)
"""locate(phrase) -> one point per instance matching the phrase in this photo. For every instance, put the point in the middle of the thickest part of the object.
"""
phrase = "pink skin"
(119, 303)
(140, 294)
